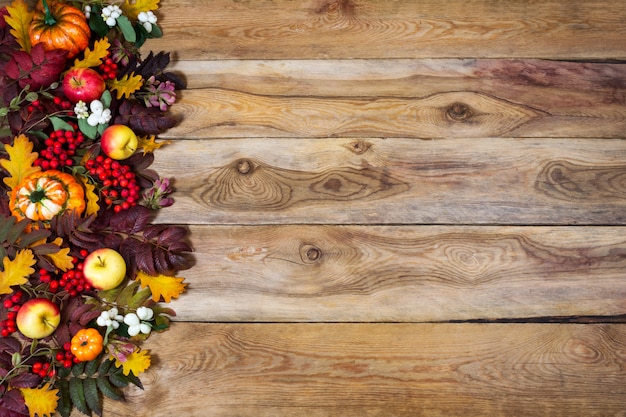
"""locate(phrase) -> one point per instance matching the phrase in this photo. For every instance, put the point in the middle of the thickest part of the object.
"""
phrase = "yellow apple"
(104, 268)
(118, 142)
(38, 318)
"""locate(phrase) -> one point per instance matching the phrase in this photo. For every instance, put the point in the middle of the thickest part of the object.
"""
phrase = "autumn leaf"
(137, 362)
(19, 19)
(62, 258)
(127, 85)
(41, 401)
(91, 197)
(93, 58)
(149, 144)
(16, 271)
(162, 286)
(132, 10)
(20, 164)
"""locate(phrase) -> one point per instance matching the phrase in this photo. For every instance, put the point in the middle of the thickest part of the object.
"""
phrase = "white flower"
(87, 11)
(81, 110)
(99, 115)
(147, 19)
(145, 313)
(110, 14)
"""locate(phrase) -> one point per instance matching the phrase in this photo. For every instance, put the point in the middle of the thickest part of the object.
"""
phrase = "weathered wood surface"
(404, 274)
(355, 370)
(323, 29)
(372, 165)
(480, 181)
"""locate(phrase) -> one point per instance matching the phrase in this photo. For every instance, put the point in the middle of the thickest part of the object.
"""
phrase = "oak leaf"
(91, 197)
(132, 10)
(20, 164)
(16, 271)
(162, 286)
(93, 58)
(41, 401)
(19, 19)
(126, 85)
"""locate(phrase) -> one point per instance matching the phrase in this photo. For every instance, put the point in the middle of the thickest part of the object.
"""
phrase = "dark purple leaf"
(12, 403)
(25, 380)
(171, 234)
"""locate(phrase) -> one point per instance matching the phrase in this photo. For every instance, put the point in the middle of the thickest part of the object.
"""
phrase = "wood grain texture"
(383, 370)
(326, 29)
(403, 273)
(365, 181)
(402, 98)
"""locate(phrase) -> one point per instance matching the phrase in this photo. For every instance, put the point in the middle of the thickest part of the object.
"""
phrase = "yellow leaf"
(162, 286)
(91, 197)
(62, 258)
(93, 58)
(131, 10)
(149, 144)
(41, 401)
(127, 85)
(20, 164)
(137, 362)
(16, 271)
(19, 19)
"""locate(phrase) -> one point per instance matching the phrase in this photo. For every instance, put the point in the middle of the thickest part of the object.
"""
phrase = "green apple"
(38, 318)
(104, 268)
(119, 142)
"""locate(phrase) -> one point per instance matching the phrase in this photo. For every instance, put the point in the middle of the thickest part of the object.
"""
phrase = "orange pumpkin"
(58, 25)
(46, 194)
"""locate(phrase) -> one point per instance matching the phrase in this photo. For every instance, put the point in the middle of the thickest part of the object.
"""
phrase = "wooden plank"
(403, 273)
(405, 98)
(222, 29)
(317, 370)
(366, 181)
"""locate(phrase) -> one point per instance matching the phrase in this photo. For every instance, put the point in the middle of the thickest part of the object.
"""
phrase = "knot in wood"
(459, 112)
(359, 146)
(244, 166)
(310, 254)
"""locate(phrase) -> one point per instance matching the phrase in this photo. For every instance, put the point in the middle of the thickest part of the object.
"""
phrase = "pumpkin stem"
(48, 19)
(37, 195)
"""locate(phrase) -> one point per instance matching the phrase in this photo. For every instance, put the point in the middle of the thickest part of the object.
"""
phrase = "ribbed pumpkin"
(46, 194)
(58, 25)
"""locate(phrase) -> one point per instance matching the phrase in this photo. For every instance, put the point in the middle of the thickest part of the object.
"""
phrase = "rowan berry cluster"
(65, 357)
(43, 369)
(12, 305)
(61, 146)
(119, 186)
(108, 68)
(72, 281)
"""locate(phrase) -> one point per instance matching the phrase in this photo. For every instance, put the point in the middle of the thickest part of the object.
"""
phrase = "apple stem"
(101, 261)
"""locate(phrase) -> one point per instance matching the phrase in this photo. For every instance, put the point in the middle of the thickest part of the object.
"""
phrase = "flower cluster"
(85, 277)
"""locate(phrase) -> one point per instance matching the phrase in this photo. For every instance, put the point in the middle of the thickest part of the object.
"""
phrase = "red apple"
(38, 318)
(104, 268)
(83, 84)
(118, 142)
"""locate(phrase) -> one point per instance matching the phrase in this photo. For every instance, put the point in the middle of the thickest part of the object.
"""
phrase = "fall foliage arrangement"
(85, 271)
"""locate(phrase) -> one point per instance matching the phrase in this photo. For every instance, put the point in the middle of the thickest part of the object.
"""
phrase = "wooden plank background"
(398, 208)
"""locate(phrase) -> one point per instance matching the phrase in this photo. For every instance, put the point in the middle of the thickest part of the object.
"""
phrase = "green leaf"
(92, 396)
(105, 99)
(127, 293)
(92, 367)
(96, 23)
(117, 378)
(139, 298)
(78, 369)
(60, 124)
(156, 32)
(64, 405)
(77, 394)
(127, 29)
(107, 389)
(88, 130)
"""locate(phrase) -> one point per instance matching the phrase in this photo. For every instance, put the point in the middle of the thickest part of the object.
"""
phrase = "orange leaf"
(93, 58)
(162, 286)
(127, 85)
(61, 259)
(19, 19)
(16, 271)
(20, 164)
(90, 196)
